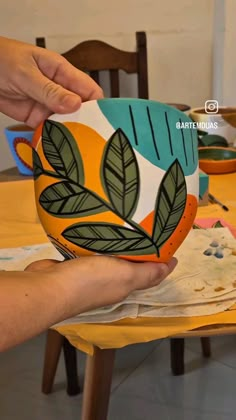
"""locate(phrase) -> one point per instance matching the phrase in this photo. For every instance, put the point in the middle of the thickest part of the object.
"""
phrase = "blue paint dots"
(215, 250)
(208, 252)
(214, 244)
(219, 253)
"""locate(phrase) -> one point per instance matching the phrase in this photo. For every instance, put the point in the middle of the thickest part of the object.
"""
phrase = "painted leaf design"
(195, 226)
(64, 251)
(217, 224)
(120, 174)
(37, 165)
(65, 199)
(109, 238)
(62, 152)
(170, 204)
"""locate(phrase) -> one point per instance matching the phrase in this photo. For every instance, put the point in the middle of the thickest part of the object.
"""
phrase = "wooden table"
(12, 174)
(20, 226)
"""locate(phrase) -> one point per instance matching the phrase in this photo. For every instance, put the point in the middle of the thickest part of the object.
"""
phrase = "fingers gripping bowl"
(117, 178)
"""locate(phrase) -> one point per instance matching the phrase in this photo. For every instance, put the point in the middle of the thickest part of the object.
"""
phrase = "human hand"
(35, 82)
(91, 282)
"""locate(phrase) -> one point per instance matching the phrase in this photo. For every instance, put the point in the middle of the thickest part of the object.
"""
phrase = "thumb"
(55, 98)
(151, 274)
(41, 265)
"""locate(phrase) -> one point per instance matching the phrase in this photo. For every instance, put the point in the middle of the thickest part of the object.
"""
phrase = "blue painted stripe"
(151, 129)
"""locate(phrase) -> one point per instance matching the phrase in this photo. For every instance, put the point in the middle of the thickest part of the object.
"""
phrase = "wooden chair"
(92, 57)
(95, 56)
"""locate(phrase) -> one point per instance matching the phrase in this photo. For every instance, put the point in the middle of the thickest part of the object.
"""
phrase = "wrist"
(71, 291)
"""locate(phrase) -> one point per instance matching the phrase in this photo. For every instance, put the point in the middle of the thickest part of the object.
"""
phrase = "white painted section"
(89, 114)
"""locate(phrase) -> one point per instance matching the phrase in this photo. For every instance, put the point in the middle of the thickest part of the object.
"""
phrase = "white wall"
(179, 33)
(229, 55)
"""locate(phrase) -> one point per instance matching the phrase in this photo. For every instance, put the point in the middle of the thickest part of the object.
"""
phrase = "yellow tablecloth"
(20, 226)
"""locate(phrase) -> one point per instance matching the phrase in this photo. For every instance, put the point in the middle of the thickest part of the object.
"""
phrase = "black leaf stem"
(56, 175)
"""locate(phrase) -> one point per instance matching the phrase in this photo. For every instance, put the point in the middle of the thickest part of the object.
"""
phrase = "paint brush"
(214, 200)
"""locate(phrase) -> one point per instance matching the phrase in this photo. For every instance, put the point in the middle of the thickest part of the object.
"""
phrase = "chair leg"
(206, 346)
(70, 357)
(97, 385)
(53, 348)
(177, 355)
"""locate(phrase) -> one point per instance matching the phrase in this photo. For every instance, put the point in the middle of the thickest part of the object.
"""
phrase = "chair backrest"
(94, 56)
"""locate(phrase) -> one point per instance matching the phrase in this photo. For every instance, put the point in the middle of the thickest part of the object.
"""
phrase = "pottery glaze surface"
(117, 178)
(19, 138)
(217, 160)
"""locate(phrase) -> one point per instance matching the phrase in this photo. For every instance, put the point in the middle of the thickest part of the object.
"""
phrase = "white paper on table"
(155, 302)
(17, 259)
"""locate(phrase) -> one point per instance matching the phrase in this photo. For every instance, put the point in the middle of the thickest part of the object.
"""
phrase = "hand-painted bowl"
(217, 160)
(118, 177)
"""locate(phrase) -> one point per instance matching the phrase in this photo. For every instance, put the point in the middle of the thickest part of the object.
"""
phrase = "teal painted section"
(151, 129)
(203, 183)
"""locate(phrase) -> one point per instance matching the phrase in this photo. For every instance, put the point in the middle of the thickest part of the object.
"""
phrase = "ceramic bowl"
(117, 178)
(216, 120)
(210, 140)
(217, 160)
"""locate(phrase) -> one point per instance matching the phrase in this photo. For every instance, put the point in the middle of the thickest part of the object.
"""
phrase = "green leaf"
(65, 199)
(108, 238)
(37, 165)
(62, 152)
(120, 174)
(217, 224)
(170, 204)
(195, 226)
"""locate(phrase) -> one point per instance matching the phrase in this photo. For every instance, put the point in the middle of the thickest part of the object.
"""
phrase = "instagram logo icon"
(211, 106)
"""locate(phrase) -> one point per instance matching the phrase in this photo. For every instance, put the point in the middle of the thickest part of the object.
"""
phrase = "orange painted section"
(177, 237)
(91, 146)
(24, 151)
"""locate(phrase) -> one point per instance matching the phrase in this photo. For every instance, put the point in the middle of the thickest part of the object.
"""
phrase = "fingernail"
(70, 103)
(173, 263)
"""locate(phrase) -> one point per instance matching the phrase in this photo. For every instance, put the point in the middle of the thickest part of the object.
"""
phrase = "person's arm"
(35, 83)
(49, 292)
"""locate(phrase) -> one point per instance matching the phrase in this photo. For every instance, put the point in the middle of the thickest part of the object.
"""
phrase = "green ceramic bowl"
(217, 160)
(210, 140)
